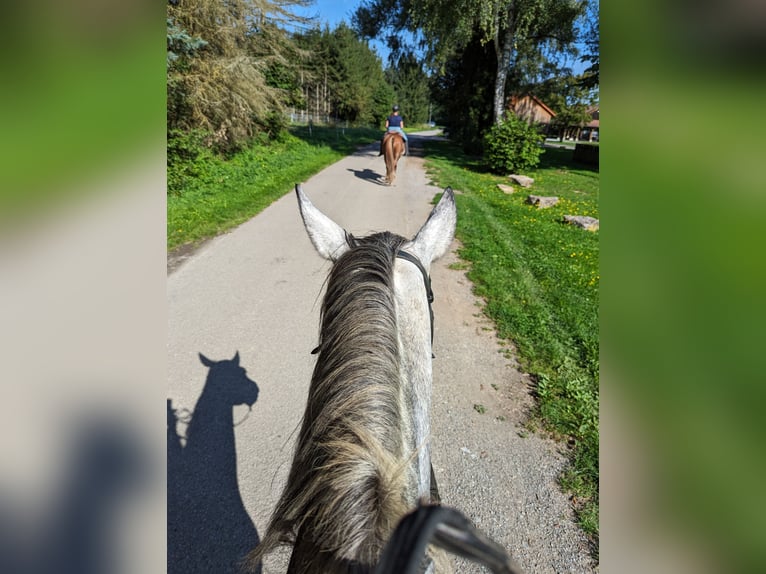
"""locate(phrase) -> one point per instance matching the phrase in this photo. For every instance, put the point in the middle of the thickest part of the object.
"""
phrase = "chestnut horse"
(393, 148)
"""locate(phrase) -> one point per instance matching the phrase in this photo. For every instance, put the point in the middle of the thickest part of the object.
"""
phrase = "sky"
(330, 11)
(334, 11)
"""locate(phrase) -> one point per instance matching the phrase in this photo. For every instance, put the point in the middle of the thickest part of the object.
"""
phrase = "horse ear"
(434, 238)
(205, 361)
(235, 360)
(328, 237)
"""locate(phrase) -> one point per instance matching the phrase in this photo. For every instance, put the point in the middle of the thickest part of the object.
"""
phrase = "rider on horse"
(395, 123)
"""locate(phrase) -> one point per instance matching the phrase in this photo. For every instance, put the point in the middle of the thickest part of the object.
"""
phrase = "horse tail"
(389, 154)
(388, 145)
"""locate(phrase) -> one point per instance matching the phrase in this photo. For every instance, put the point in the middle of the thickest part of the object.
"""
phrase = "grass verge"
(539, 279)
(71, 110)
(226, 192)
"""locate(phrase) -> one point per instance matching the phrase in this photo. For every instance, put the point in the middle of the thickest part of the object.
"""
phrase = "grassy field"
(226, 192)
(105, 114)
(539, 279)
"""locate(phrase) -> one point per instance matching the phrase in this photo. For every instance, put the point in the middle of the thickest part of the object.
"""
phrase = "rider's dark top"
(394, 121)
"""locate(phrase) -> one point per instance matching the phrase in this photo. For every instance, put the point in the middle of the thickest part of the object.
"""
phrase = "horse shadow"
(368, 175)
(106, 467)
(209, 529)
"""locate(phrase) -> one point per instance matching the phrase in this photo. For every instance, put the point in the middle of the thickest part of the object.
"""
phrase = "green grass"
(73, 109)
(570, 143)
(421, 127)
(566, 143)
(227, 192)
(539, 279)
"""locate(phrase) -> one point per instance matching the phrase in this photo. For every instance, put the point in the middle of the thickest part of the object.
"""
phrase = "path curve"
(257, 290)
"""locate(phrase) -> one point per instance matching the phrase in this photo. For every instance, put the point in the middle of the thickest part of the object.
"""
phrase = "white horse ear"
(434, 238)
(328, 237)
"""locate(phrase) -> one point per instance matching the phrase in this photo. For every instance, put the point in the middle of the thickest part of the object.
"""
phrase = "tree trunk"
(503, 49)
(325, 98)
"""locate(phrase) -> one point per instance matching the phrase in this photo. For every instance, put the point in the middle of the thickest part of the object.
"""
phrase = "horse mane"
(344, 494)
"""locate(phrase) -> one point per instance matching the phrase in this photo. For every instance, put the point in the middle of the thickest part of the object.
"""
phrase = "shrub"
(275, 125)
(186, 155)
(512, 146)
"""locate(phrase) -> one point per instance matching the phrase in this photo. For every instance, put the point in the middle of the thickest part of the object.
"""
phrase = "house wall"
(528, 109)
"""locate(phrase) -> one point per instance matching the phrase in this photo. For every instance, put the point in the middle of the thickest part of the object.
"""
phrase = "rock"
(542, 202)
(505, 188)
(584, 221)
(522, 180)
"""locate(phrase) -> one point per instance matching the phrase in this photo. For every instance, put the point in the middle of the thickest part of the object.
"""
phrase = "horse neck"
(210, 434)
(414, 334)
(359, 316)
(355, 426)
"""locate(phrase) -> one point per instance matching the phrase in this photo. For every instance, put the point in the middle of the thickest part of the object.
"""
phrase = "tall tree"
(342, 77)
(359, 70)
(446, 26)
(411, 85)
(463, 92)
(182, 48)
(592, 41)
(220, 86)
(315, 72)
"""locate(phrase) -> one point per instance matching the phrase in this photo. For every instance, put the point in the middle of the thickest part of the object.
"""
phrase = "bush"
(186, 155)
(275, 125)
(512, 146)
(586, 153)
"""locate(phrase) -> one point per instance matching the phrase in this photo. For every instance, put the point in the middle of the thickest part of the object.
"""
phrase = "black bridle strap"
(447, 528)
(427, 280)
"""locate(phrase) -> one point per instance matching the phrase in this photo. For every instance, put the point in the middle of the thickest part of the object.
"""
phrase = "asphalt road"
(257, 291)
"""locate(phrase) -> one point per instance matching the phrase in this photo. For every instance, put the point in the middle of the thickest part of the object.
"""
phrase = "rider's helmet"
(395, 108)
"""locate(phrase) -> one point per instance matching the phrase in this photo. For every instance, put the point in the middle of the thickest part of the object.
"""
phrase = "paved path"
(257, 290)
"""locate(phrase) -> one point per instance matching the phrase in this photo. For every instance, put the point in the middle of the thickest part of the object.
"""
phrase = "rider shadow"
(368, 175)
(107, 466)
(209, 529)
